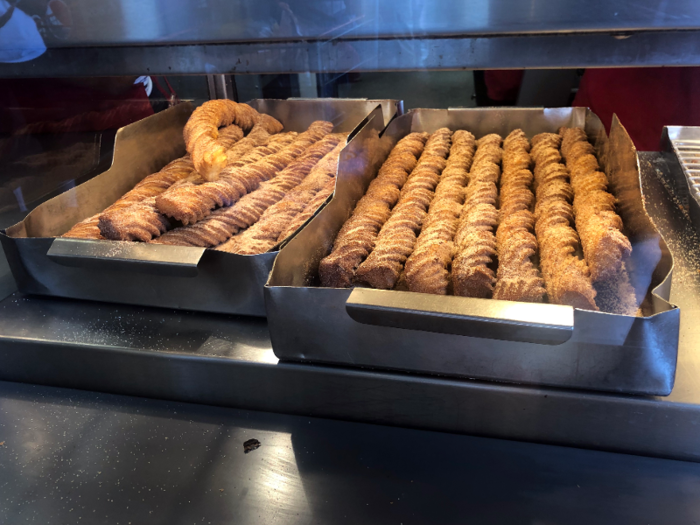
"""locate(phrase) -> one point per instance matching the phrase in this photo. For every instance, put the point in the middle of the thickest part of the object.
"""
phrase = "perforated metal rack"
(685, 141)
(681, 153)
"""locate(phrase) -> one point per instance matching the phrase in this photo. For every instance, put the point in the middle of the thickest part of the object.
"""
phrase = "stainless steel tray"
(482, 338)
(145, 274)
(680, 147)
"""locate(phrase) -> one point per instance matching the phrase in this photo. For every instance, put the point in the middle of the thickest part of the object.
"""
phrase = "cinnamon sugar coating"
(150, 186)
(397, 237)
(202, 137)
(472, 273)
(518, 279)
(309, 210)
(145, 222)
(605, 247)
(263, 235)
(358, 235)
(427, 268)
(86, 229)
(567, 277)
(137, 222)
(190, 203)
(225, 222)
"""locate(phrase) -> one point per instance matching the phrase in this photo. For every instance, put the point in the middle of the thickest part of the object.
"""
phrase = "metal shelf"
(121, 37)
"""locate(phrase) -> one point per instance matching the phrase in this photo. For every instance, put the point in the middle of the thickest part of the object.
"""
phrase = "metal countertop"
(70, 456)
(225, 360)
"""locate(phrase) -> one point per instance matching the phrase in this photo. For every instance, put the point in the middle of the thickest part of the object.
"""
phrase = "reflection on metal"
(277, 472)
(222, 86)
(604, 352)
(145, 274)
(126, 256)
(536, 51)
(124, 37)
(128, 22)
(307, 85)
(549, 324)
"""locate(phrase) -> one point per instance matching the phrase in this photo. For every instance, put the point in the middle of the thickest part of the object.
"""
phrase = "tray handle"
(154, 259)
(550, 324)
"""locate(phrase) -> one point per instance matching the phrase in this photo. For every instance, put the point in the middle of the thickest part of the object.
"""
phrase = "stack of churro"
(155, 184)
(509, 219)
(358, 235)
(518, 279)
(231, 178)
(265, 233)
(202, 137)
(189, 203)
(490, 218)
(427, 269)
(567, 277)
(226, 222)
(397, 237)
(472, 269)
(600, 227)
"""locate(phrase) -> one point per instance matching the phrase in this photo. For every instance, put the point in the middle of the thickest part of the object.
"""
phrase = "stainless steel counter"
(228, 361)
(69, 456)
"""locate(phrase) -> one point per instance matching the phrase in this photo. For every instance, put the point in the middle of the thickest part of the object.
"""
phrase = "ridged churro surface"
(605, 247)
(397, 237)
(473, 274)
(567, 277)
(428, 267)
(223, 223)
(203, 139)
(358, 235)
(517, 278)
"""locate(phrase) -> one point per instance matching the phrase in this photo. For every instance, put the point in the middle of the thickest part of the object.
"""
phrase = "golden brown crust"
(617, 295)
(427, 268)
(356, 238)
(397, 237)
(138, 222)
(567, 278)
(518, 279)
(191, 203)
(309, 210)
(604, 245)
(263, 235)
(225, 222)
(174, 173)
(202, 137)
(86, 229)
(144, 222)
(150, 186)
(155, 184)
(236, 149)
(472, 273)
(229, 136)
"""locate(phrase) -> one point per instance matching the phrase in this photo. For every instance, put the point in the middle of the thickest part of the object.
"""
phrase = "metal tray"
(505, 341)
(680, 146)
(145, 274)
